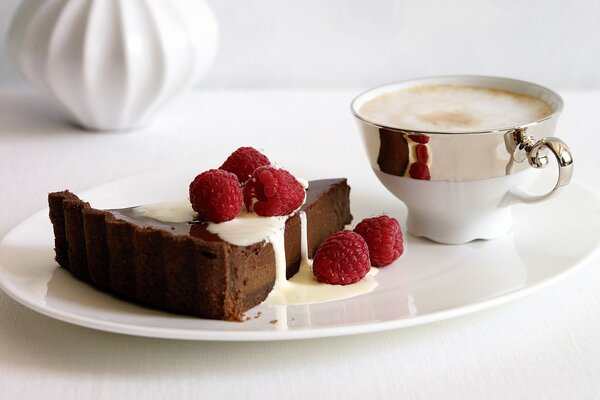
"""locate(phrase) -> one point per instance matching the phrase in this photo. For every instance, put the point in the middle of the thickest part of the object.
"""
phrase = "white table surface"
(543, 346)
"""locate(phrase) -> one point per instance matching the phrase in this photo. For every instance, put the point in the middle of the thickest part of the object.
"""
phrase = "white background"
(543, 346)
(360, 43)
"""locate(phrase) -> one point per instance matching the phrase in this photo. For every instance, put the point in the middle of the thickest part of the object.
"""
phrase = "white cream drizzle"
(303, 182)
(248, 228)
(303, 288)
(169, 211)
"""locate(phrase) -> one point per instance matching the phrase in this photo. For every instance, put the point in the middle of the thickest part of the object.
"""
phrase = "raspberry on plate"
(216, 195)
(384, 238)
(272, 191)
(342, 259)
(244, 161)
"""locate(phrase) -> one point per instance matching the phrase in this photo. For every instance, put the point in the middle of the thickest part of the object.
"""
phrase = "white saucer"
(430, 282)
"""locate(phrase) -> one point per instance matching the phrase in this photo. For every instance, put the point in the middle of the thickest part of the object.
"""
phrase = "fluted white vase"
(111, 64)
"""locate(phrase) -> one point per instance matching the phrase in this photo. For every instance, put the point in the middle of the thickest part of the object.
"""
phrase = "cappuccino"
(453, 108)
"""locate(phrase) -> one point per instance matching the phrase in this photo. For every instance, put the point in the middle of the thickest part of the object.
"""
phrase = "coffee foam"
(453, 108)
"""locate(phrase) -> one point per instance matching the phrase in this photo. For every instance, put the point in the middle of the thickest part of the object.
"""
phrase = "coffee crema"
(453, 108)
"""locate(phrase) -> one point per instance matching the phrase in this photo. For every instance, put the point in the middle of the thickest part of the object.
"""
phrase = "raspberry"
(216, 195)
(420, 138)
(384, 238)
(271, 191)
(419, 170)
(342, 259)
(244, 161)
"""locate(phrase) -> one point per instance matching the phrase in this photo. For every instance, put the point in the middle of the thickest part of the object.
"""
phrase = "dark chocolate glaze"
(197, 228)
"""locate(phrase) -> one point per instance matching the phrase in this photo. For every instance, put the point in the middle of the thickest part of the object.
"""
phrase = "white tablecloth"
(543, 346)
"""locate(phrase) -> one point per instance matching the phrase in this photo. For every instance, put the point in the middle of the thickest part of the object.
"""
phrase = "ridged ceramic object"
(111, 64)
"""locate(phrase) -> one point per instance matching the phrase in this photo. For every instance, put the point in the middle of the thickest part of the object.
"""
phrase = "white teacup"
(457, 175)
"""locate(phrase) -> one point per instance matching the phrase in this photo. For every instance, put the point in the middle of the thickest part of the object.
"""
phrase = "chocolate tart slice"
(182, 267)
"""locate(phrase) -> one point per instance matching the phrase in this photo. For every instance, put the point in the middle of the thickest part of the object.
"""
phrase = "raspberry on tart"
(216, 195)
(244, 161)
(272, 191)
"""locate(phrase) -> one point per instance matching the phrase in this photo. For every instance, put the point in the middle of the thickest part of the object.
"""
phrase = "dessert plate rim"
(30, 282)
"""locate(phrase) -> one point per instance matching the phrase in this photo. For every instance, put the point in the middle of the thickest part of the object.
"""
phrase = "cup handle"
(527, 148)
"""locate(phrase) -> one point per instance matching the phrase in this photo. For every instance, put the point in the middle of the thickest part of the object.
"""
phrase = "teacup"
(460, 150)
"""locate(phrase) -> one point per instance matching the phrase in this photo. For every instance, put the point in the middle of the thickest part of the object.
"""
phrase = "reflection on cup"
(403, 154)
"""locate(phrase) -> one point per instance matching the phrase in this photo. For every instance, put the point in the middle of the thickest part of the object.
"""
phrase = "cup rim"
(557, 103)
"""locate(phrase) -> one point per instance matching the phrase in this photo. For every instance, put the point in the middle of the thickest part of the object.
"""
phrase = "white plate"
(430, 282)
